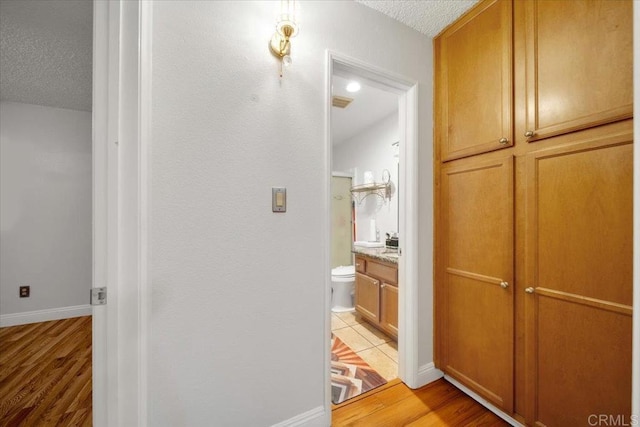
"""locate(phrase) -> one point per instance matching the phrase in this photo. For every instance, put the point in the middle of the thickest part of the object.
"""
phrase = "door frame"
(121, 142)
(407, 89)
(104, 208)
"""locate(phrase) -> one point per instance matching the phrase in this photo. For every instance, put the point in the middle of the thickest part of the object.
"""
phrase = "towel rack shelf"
(380, 189)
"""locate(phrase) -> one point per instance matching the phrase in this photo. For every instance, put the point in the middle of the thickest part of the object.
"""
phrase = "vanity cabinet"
(533, 241)
(376, 294)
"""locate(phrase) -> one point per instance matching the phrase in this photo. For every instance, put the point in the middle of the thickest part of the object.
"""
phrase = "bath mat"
(350, 375)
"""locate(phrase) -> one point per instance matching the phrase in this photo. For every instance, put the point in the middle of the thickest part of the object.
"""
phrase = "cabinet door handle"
(530, 290)
(528, 134)
(383, 286)
(504, 285)
(503, 140)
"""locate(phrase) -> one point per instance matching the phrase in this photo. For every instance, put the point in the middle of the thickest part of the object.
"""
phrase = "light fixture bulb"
(353, 87)
(287, 21)
(286, 28)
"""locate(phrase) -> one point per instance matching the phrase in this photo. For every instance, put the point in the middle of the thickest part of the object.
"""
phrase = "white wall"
(238, 323)
(45, 207)
(371, 150)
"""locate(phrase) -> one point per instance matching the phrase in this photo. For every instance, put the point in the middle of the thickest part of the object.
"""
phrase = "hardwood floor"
(45, 380)
(395, 405)
(45, 374)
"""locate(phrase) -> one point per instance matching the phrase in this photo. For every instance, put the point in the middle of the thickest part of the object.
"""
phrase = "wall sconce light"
(286, 28)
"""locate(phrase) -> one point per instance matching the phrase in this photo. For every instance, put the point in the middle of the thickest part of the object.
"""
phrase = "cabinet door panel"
(476, 112)
(367, 296)
(389, 308)
(583, 362)
(579, 65)
(477, 222)
(579, 265)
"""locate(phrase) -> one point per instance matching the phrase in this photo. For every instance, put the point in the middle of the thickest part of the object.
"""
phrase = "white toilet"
(342, 288)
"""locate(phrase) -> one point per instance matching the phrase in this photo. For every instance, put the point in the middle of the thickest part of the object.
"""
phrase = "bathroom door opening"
(364, 305)
(403, 151)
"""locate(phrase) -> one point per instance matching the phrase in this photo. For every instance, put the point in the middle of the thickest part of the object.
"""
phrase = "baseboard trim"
(427, 374)
(484, 402)
(15, 319)
(314, 417)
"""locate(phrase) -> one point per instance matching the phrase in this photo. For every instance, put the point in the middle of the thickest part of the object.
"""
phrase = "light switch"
(279, 199)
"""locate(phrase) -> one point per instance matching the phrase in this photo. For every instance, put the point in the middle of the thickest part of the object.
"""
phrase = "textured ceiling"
(427, 16)
(46, 45)
(46, 52)
(369, 106)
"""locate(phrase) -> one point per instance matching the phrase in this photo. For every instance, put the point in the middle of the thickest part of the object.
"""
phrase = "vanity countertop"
(383, 254)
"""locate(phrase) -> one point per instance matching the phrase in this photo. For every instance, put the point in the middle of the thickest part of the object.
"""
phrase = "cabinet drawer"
(361, 265)
(385, 272)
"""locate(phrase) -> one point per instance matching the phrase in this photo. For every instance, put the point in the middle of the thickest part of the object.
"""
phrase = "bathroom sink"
(366, 244)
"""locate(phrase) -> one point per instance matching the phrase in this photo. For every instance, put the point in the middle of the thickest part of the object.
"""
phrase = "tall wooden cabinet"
(579, 279)
(477, 254)
(479, 42)
(534, 235)
(578, 64)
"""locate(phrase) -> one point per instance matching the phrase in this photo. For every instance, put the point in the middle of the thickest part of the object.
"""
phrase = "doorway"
(405, 148)
(46, 103)
(365, 139)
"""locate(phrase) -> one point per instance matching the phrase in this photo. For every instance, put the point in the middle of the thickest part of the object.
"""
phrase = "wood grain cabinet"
(476, 113)
(389, 308)
(578, 70)
(579, 280)
(477, 250)
(376, 294)
(533, 264)
(367, 297)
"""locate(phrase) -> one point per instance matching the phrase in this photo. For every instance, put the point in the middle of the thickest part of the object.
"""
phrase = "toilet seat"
(344, 271)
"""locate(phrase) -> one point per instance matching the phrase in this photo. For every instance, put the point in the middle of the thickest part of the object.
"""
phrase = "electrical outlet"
(25, 291)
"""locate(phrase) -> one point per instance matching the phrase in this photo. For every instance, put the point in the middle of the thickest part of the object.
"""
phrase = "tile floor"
(374, 347)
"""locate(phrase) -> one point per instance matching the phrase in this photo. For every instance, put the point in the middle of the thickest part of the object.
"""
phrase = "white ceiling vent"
(341, 101)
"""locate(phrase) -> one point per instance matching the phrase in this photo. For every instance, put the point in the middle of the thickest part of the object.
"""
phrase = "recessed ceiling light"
(353, 86)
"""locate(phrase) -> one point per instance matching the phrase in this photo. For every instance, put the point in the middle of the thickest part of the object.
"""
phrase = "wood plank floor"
(395, 405)
(45, 380)
(45, 374)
